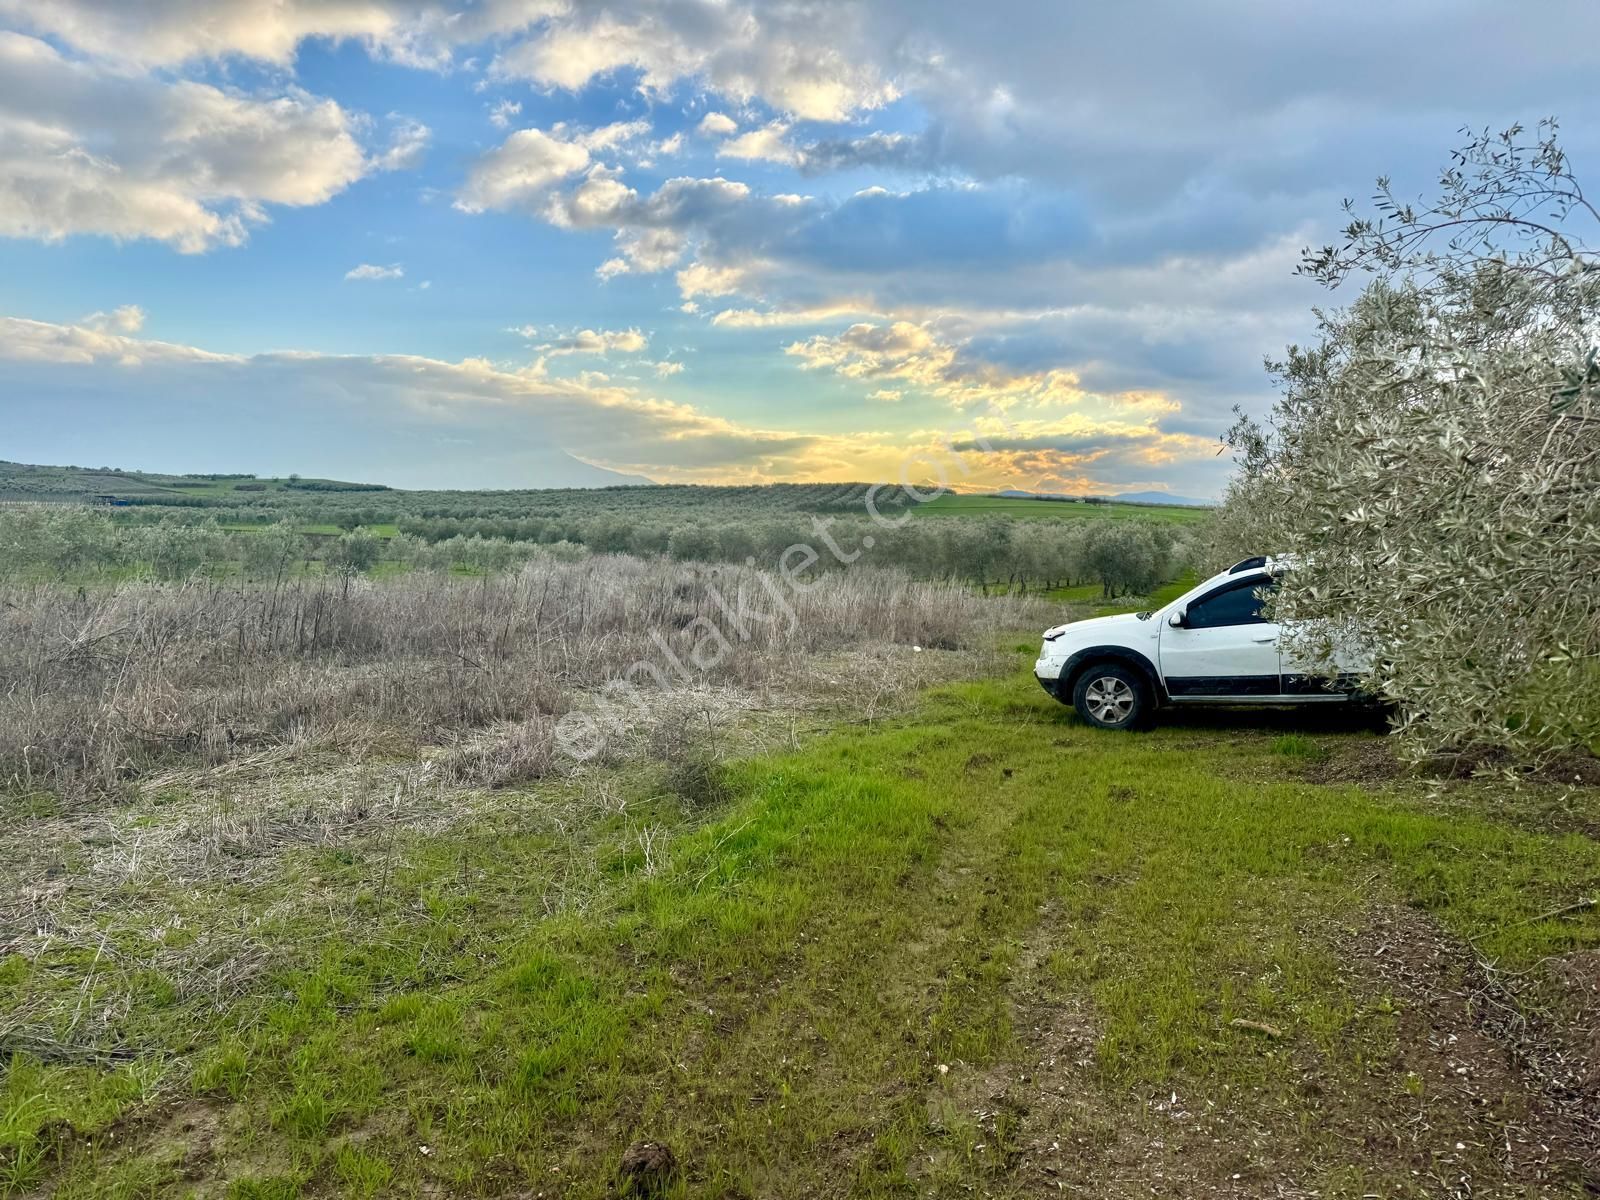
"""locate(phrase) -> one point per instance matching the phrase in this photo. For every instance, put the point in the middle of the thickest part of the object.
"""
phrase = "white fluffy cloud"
(809, 59)
(171, 32)
(769, 143)
(88, 149)
(521, 172)
(127, 318)
(373, 272)
(83, 345)
(715, 124)
(786, 55)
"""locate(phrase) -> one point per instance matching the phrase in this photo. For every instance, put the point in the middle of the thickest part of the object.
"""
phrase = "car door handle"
(1263, 641)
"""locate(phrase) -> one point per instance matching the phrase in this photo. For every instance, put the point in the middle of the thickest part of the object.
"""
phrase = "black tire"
(1112, 696)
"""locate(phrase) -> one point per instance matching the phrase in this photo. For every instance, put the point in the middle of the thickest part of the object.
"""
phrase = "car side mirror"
(1177, 618)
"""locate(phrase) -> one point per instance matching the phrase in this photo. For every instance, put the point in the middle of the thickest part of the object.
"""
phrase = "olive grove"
(1433, 462)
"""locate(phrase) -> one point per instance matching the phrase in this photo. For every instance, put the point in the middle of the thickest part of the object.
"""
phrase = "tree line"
(990, 553)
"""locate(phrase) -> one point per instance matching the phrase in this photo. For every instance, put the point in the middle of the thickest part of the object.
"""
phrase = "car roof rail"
(1248, 564)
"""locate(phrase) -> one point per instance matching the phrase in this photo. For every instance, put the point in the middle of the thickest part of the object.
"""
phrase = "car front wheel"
(1113, 697)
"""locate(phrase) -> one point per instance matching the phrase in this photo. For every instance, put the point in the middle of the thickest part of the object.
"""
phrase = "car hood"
(1091, 626)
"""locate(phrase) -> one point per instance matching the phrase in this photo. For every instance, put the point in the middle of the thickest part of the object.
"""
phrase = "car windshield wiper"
(1145, 616)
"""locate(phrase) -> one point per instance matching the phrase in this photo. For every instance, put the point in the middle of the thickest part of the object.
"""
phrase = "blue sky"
(538, 242)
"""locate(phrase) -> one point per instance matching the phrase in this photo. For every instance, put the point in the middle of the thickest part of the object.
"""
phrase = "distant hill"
(1121, 497)
(28, 481)
(1163, 498)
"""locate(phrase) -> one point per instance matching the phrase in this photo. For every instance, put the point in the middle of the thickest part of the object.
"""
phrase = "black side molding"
(1223, 685)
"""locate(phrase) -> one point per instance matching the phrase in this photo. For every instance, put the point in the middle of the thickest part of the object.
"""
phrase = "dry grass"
(109, 686)
(172, 756)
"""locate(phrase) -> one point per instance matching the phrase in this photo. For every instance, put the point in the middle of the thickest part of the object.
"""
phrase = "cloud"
(654, 232)
(918, 355)
(1039, 95)
(815, 66)
(603, 341)
(715, 124)
(128, 318)
(170, 32)
(767, 143)
(85, 149)
(598, 421)
(775, 53)
(955, 293)
(82, 345)
(665, 368)
(886, 395)
(699, 279)
(408, 143)
(813, 314)
(892, 151)
(369, 271)
(520, 172)
(1038, 233)
(523, 170)
(113, 395)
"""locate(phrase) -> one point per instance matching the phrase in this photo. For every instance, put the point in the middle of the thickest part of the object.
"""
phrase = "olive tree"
(1433, 462)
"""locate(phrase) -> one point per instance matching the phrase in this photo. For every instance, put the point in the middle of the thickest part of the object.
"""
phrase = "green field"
(979, 950)
(954, 504)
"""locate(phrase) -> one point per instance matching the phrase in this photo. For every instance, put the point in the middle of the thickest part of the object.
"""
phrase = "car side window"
(1240, 605)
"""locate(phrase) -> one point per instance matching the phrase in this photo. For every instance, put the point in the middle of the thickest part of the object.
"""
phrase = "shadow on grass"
(1238, 718)
(1321, 718)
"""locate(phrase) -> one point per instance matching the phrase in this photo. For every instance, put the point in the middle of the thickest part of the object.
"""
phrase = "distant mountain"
(1163, 498)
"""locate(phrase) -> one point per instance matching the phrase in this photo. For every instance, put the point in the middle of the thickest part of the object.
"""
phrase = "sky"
(528, 243)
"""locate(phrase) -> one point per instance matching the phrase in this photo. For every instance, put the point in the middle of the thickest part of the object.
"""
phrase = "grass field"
(953, 504)
(978, 950)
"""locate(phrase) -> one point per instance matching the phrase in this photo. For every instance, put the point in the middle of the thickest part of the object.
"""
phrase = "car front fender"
(1078, 660)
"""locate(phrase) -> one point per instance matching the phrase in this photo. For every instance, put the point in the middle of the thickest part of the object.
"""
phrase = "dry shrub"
(512, 753)
(698, 779)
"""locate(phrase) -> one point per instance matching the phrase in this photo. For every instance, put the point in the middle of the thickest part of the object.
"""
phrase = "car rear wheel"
(1113, 697)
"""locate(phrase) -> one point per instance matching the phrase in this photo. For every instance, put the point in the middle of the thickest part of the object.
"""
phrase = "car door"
(1225, 646)
(1309, 673)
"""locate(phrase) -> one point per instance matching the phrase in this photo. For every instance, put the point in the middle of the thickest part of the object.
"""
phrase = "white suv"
(1212, 645)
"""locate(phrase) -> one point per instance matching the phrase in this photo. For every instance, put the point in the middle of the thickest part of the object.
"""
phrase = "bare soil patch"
(1471, 1098)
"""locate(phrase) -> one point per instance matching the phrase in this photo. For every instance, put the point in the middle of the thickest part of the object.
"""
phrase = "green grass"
(1092, 595)
(836, 983)
(954, 504)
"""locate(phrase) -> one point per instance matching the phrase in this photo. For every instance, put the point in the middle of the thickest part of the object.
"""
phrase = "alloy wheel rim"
(1110, 699)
